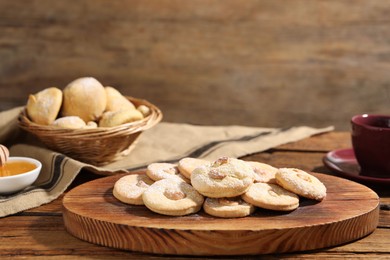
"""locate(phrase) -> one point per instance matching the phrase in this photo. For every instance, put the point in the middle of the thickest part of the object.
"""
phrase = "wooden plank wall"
(272, 63)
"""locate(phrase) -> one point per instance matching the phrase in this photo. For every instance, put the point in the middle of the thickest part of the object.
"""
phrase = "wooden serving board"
(350, 211)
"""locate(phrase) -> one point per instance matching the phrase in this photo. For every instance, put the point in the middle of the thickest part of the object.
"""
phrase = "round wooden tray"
(350, 211)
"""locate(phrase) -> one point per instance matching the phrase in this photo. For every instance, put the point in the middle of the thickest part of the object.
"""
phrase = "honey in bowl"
(11, 168)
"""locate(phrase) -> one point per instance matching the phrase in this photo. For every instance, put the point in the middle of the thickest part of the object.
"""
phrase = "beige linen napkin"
(166, 142)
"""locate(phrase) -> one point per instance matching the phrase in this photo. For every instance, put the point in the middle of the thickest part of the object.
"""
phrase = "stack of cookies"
(83, 103)
(226, 187)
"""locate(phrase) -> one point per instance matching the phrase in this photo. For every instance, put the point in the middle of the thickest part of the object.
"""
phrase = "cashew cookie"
(159, 171)
(227, 207)
(271, 196)
(188, 164)
(173, 198)
(129, 188)
(226, 177)
(263, 172)
(301, 183)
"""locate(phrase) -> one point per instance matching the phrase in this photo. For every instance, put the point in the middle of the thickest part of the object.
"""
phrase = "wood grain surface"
(349, 212)
(256, 62)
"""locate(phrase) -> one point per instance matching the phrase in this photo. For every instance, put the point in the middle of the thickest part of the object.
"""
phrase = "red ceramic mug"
(371, 144)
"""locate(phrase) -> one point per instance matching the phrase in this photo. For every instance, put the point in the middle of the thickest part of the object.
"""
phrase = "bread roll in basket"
(97, 146)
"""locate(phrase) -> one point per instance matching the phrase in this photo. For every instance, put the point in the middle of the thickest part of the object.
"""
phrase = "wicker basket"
(97, 146)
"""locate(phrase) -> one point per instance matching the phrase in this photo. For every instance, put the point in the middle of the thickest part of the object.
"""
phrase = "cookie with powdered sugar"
(301, 183)
(271, 196)
(263, 172)
(129, 188)
(188, 164)
(172, 198)
(159, 171)
(228, 207)
(225, 177)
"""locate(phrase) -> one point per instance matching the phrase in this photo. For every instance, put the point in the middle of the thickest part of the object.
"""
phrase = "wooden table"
(40, 232)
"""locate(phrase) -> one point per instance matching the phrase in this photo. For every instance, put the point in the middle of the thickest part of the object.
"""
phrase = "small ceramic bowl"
(14, 183)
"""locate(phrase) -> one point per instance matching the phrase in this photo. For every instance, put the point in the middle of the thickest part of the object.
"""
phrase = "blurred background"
(264, 63)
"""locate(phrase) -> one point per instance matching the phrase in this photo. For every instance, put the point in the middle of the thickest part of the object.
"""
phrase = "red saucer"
(344, 163)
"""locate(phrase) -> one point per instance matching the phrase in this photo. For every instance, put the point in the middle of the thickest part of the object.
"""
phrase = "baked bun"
(85, 98)
(116, 101)
(71, 122)
(120, 117)
(43, 107)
